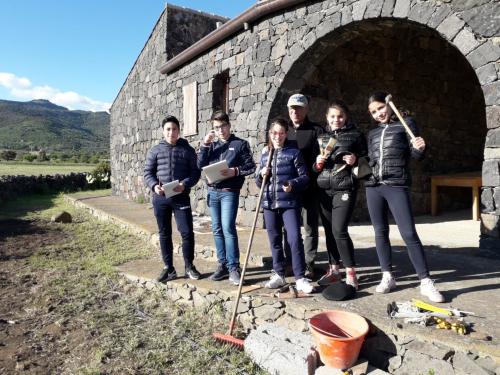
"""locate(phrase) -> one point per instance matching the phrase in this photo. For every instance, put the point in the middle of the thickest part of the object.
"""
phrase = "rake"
(228, 337)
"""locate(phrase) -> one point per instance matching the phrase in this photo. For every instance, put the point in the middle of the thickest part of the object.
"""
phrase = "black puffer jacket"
(167, 163)
(350, 140)
(390, 151)
(287, 165)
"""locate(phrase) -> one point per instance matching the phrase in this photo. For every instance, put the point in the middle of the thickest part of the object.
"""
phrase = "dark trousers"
(310, 221)
(335, 212)
(180, 206)
(290, 219)
(380, 200)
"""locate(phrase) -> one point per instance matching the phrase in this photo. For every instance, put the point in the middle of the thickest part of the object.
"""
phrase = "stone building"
(440, 59)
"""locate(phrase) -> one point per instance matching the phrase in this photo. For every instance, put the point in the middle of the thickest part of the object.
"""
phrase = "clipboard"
(168, 188)
(212, 171)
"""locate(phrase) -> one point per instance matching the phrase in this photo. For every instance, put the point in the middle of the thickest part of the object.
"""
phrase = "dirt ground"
(65, 310)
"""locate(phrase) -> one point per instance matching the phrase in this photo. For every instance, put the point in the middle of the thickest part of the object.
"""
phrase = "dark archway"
(425, 74)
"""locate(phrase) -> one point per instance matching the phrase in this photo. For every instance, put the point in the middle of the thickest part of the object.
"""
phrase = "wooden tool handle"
(388, 100)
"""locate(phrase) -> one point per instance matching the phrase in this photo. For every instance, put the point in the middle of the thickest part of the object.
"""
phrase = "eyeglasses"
(219, 127)
(277, 134)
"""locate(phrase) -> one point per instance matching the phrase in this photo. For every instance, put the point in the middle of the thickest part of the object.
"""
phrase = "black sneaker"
(192, 273)
(235, 276)
(220, 273)
(167, 274)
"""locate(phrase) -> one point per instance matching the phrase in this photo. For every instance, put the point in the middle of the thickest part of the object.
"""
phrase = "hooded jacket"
(287, 165)
(166, 163)
(390, 151)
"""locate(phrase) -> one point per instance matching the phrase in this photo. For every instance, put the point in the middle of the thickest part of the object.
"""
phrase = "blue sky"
(77, 53)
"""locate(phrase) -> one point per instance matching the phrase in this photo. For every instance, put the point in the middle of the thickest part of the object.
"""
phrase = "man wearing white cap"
(305, 133)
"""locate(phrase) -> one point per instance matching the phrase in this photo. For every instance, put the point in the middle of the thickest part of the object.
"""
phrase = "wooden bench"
(469, 179)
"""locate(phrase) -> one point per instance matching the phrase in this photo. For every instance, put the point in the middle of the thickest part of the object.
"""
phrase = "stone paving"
(469, 282)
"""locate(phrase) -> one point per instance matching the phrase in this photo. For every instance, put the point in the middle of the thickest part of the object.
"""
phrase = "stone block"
(387, 8)
(490, 225)
(487, 74)
(374, 8)
(487, 204)
(465, 41)
(492, 153)
(496, 200)
(416, 363)
(401, 9)
(492, 93)
(421, 13)
(346, 15)
(358, 9)
(439, 15)
(484, 54)
(432, 350)
(493, 138)
(483, 19)
(451, 26)
(268, 312)
(493, 117)
(279, 350)
(465, 363)
(279, 49)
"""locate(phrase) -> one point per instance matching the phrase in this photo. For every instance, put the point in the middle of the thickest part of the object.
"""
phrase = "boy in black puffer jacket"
(170, 160)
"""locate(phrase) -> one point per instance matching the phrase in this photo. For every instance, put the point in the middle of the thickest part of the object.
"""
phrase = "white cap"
(297, 100)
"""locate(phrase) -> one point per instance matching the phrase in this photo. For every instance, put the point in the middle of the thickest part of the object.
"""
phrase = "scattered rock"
(62, 217)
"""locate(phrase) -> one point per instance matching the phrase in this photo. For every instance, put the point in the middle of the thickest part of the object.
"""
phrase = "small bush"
(29, 157)
(7, 155)
(100, 177)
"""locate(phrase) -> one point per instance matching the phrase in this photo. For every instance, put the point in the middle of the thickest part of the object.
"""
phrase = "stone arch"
(427, 27)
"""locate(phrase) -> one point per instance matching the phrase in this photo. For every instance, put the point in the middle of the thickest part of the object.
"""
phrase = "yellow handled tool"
(428, 307)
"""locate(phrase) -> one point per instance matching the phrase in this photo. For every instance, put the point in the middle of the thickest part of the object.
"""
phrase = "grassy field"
(65, 309)
(36, 169)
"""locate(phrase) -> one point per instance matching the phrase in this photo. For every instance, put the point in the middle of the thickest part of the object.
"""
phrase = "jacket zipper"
(381, 151)
(275, 177)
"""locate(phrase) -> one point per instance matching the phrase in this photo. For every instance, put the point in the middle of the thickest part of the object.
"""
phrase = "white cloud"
(22, 88)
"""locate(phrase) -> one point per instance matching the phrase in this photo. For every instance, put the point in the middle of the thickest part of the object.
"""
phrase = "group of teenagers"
(302, 183)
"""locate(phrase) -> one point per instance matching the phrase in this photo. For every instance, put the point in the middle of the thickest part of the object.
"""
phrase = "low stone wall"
(13, 186)
(397, 354)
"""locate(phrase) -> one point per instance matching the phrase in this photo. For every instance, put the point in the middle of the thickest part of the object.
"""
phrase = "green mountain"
(41, 124)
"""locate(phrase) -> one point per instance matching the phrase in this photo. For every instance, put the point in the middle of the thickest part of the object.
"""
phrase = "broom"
(228, 337)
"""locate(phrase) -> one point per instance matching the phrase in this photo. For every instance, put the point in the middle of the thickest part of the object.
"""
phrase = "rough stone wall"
(140, 105)
(262, 61)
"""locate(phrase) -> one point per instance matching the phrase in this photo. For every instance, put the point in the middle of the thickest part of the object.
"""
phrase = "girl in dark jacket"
(390, 151)
(338, 190)
(281, 203)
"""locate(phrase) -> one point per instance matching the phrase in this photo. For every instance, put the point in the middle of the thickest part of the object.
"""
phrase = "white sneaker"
(428, 289)
(304, 285)
(275, 281)
(387, 283)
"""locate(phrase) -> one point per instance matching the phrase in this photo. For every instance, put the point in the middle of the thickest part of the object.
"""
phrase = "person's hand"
(320, 159)
(179, 188)
(349, 159)
(229, 172)
(159, 190)
(287, 187)
(209, 138)
(264, 171)
(418, 143)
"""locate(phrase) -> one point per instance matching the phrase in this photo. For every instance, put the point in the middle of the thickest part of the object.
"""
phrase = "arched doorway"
(425, 74)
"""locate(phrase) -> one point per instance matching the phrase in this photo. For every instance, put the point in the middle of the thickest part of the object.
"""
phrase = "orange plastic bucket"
(338, 336)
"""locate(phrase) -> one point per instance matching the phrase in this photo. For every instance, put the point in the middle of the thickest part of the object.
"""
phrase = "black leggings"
(380, 200)
(335, 212)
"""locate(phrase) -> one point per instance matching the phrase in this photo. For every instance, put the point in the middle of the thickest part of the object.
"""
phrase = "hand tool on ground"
(228, 337)
(285, 292)
(447, 311)
(388, 100)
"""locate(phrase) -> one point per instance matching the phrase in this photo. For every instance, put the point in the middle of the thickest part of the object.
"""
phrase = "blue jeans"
(180, 206)
(223, 209)
(290, 219)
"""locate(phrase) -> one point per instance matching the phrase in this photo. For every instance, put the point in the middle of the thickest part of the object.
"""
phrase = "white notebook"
(212, 171)
(168, 188)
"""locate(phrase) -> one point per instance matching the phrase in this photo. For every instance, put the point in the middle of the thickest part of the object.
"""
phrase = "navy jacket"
(166, 163)
(287, 165)
(390, 151)
(237, 154)
(350, 140)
